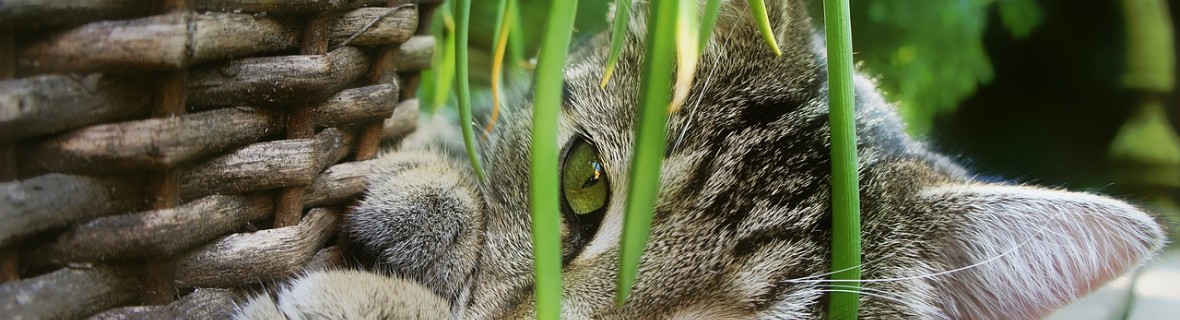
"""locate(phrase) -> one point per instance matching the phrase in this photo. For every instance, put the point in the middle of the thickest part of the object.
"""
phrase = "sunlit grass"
(687, 53)
(547, 100)
(845, 184)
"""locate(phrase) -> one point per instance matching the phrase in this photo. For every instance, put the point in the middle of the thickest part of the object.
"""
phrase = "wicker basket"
(158, 159)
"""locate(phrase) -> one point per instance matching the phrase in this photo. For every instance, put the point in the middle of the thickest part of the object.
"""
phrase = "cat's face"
(741, 226)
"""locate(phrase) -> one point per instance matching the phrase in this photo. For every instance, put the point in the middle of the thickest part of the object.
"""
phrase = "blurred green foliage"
(928, 55)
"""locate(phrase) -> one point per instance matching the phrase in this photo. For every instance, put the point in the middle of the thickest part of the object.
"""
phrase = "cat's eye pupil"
(593, 179)
(583, 179)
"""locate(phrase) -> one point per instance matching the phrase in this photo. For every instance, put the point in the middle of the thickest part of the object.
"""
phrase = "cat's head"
(742, 224)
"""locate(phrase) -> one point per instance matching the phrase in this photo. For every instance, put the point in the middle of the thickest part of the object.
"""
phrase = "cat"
(741, 225)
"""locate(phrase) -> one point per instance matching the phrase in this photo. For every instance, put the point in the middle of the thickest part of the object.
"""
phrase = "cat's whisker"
(1044, 229)
(887, 297)
(700, 97)
(896, 297)
(1040, 232)
(863, 265)
(845, 314)
(691, 113)
(860, 292)
(829, 273)
(865, 291)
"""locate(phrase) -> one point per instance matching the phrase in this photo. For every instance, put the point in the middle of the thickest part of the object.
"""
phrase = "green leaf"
(516, 41)
(708, 21)
(428, 88)
(687, 55)
(1019, 16)
(444, 70)
(845, 183)
(926, 73)
(462, 22)
(617, 37)
(504, 18)
(758, 8)
(1151, 60)
(546, 216)
(644, 185)
(1147, 138)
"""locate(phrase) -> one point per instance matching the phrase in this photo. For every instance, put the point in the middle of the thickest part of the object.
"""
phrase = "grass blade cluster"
(845, 184)
(617, 36)
(546, 215)
(650, 141)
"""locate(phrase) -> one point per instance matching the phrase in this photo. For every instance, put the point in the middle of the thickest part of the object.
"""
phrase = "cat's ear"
(1020, 252)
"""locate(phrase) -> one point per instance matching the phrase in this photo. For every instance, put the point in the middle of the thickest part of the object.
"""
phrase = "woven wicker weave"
(159, 158)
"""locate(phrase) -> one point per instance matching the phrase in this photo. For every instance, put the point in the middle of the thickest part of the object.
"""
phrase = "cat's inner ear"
(1018, 252)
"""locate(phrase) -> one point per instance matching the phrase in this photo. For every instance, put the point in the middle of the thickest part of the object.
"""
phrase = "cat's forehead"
(731, 85)
(746, 108)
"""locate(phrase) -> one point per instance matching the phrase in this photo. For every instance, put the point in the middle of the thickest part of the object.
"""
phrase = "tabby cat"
(741, 228)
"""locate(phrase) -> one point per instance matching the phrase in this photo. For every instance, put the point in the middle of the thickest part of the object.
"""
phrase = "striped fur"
(741, 229)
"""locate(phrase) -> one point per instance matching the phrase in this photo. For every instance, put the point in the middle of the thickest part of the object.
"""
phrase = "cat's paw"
(347, 294)
(422, 218)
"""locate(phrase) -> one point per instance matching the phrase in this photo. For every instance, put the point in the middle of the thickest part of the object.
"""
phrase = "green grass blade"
(649, 142)
(516, 42)
(504, 18)
(546, 215)
(444, 70)
(845, 184)
(426, 89)
(462, 23)
(687, 53)
(617, 36)
(758, 7)
(708, 21)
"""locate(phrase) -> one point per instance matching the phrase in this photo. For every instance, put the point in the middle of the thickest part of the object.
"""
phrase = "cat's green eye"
(583, 179)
